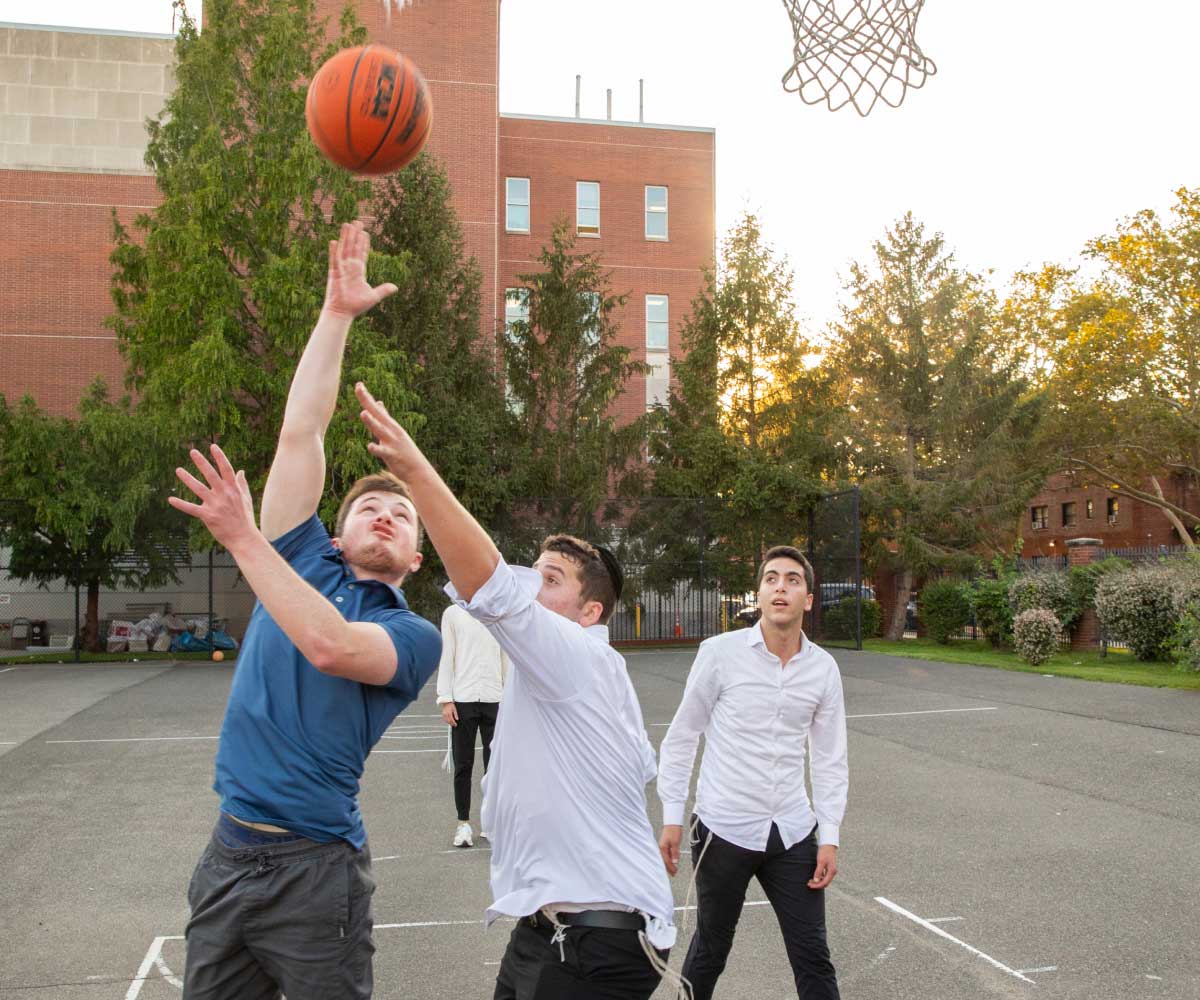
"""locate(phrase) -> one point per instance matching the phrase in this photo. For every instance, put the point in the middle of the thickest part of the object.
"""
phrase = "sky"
(1047, 123)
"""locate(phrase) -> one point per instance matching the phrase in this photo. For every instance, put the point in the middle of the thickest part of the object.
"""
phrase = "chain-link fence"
(207, 605)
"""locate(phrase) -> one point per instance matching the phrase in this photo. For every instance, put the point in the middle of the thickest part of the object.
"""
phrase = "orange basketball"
(368, 109)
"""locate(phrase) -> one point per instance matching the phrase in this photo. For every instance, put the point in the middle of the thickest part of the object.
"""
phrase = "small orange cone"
(678, 628)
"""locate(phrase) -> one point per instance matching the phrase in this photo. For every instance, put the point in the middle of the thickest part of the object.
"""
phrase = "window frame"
(1039, 517)
(665, 347)
(664, 211)
(591, 232)
(1069, 509)
(509, 203)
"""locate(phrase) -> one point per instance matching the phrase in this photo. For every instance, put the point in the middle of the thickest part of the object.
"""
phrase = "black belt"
(614, 920)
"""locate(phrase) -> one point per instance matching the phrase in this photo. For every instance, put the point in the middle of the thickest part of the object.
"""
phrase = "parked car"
(832, 593)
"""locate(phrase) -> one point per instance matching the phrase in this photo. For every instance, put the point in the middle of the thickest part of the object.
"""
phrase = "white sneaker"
(463, 836)
(483, 834)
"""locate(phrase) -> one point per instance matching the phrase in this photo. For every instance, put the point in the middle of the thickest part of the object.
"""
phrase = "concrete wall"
(78, 100)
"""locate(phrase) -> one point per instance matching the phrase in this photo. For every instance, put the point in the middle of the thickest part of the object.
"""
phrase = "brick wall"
(623, 158)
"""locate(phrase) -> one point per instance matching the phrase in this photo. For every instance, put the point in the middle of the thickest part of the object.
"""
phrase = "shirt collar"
(754, 637)
(334, 555)
(598, 632)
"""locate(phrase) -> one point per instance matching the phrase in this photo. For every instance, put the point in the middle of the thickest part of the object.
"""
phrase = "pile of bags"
(167, 633)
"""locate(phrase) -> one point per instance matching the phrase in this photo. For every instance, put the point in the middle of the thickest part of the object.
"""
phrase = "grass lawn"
(68, 656)
(1119, 667)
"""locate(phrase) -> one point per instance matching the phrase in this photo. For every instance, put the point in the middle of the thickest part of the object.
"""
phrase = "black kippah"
(614, 569)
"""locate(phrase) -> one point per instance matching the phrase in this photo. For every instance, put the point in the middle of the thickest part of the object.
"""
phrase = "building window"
(658, 380)
(1068, 515)
(656, 212)
(658, 323)
(587, 208)
(516, 199)
(516, 308)
(591, 330)
(1039, 517)
(1114, 508)
(1090, 509)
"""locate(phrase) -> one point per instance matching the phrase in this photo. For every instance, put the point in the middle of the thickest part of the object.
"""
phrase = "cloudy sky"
(1048, 120)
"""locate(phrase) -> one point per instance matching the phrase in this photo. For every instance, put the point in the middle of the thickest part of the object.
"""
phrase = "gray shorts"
(291, 918)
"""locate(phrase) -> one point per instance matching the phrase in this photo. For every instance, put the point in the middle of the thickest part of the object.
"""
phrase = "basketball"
(368, 110)
(218, 656)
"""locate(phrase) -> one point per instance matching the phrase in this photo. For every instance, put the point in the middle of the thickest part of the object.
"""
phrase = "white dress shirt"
(757, 715)
(473, 666)
(564, 798)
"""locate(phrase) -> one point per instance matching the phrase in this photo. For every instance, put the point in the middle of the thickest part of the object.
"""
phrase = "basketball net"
(398, 4)
(856, 52)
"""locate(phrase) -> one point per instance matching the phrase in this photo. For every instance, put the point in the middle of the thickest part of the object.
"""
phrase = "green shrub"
(837, 621)
(1044, 588)
(1139, 607)
(1185, 643)
(1082, 580)
(944, 609)
(993, 613)
(1036, 635)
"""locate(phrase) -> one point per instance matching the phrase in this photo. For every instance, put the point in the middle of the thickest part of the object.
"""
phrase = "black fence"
(690, 567)
(690, 570)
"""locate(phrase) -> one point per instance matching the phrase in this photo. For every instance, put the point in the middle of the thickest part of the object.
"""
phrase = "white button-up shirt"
(473, 666)
(564, 798)
(757, 715)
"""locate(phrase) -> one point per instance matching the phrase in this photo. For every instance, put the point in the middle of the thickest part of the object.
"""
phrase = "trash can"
(18, 637)
(39, 634)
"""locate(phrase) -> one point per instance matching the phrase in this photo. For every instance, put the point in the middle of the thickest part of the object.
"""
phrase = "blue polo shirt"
(295, 740)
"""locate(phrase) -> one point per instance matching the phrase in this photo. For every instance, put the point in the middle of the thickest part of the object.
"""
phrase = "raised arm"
(297, 477)
(467, 551)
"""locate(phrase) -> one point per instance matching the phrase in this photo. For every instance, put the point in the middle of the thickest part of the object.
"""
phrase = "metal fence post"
(858, 636)
(210, 597)
(78, 642)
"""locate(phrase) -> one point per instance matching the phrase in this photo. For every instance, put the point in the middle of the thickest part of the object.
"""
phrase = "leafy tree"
(85, 499)
(434, 322)
(938, 413)
(564, 372)
(217, 289)
(745, 433)
(1124, 352)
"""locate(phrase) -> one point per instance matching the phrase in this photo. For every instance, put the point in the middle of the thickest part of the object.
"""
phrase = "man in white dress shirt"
(758, 696)
(573, 854)
(470, 681)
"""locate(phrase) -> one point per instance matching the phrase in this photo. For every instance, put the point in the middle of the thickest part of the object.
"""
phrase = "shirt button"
(351, 587)
(339, 598)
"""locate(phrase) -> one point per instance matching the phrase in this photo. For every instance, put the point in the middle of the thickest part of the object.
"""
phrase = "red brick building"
(71, 144)
(1072, 505)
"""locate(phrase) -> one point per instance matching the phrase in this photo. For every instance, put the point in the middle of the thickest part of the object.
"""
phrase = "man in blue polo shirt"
(280, 899)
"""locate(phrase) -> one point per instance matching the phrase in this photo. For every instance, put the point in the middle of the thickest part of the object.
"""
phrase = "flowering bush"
(944, 609)
(1140, 607)
(1036, 635)
(1048, 589)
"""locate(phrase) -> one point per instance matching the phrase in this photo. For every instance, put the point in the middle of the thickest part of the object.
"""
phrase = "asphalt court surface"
(1008, 835)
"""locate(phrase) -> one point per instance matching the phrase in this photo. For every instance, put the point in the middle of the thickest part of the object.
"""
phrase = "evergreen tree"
(938, 414)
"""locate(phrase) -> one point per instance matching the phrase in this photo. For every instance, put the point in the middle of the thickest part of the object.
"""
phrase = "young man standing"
(281, 898)
(470, 680)
(758, 696)
(573, 853)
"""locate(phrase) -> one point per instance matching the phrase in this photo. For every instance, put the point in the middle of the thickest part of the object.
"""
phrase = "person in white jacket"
(470, 680)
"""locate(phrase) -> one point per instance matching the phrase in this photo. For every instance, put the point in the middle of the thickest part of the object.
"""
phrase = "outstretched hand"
(392, 444)
(347, 291)
(225, 506)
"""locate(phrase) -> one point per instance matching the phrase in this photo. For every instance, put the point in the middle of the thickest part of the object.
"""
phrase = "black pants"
(721, 882)
(291, 918)
(473, 717)
(595, 963)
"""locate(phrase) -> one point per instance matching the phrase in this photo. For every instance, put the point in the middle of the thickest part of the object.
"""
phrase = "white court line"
(438, 750)
(928, 711)
(949, 937)
(7, 669)
(153, 955)
(479, 923)
(431, 736)
(943, 920)
(1044, 968)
